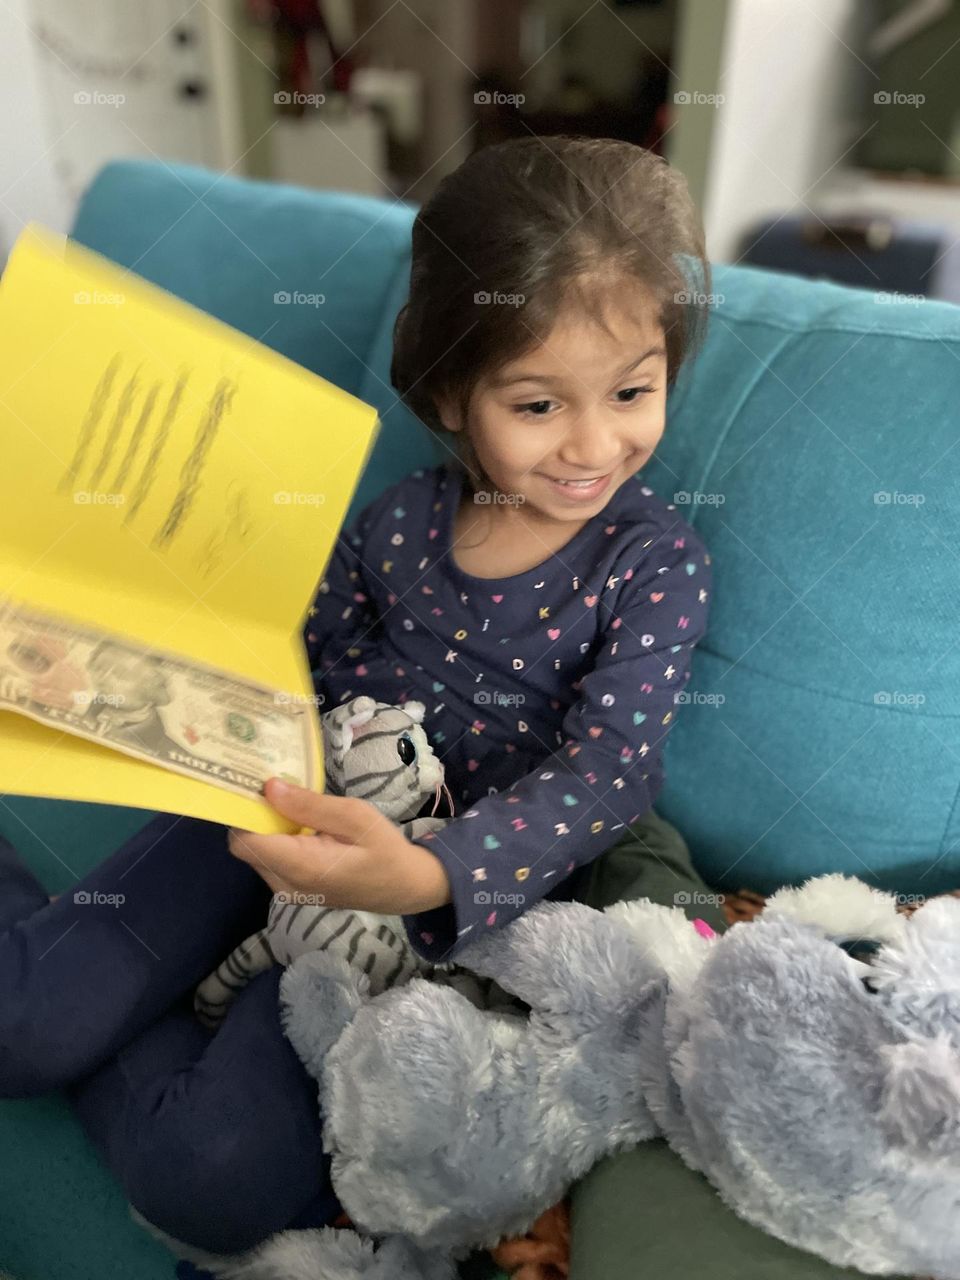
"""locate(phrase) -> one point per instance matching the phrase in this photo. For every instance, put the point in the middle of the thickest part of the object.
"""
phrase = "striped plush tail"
(216, 993)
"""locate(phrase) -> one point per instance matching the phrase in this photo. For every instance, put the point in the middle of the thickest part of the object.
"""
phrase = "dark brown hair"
(522, 228)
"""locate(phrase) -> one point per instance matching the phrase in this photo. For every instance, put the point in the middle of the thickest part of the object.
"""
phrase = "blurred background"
(818, 136)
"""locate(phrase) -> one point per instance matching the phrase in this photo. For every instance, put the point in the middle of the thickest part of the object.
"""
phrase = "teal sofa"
(815, 445)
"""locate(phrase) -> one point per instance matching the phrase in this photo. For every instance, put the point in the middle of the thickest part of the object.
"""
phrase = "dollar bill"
(150, 704)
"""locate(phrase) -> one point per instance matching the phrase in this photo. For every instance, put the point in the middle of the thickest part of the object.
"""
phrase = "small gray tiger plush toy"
(380, 753)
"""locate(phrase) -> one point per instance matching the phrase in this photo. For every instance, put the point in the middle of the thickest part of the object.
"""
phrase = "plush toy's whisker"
(441, 788)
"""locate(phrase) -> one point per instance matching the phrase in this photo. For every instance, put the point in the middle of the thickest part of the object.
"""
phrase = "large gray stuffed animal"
(820, 1095)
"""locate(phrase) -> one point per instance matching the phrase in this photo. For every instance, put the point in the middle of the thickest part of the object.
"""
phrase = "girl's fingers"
(345, 817)
(301, 862)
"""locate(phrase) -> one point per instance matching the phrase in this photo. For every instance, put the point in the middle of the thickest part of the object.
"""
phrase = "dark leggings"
(216, 1140)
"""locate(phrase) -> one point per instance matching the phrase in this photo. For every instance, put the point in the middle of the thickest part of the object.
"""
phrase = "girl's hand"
(358, 858)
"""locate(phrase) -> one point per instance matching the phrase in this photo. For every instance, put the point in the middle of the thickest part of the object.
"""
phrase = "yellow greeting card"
(170, 495)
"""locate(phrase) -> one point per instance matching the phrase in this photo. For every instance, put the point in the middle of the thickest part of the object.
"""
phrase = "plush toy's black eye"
(406, 749)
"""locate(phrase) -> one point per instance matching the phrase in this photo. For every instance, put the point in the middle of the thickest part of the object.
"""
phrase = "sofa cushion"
(814, 445)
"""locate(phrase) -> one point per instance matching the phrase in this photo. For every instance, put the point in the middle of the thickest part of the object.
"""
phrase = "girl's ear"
(448, 411)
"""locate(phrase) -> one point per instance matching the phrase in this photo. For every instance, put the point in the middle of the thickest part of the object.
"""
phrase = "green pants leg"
(643, 1212)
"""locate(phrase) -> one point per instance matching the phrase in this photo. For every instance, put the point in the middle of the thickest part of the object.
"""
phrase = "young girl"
(532, 591)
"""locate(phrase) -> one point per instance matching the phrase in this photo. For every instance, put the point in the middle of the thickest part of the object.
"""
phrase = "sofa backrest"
(261, 256)
(814, 444)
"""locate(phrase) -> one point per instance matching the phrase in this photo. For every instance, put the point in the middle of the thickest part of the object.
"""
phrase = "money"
(153, 705)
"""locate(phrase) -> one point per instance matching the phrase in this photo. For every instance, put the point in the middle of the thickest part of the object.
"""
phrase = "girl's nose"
(592, 447)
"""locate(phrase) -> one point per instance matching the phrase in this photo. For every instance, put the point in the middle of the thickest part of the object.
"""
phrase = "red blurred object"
(294, 21)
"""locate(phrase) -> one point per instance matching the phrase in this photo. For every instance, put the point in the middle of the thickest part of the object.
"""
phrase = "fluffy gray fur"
(820, 1096)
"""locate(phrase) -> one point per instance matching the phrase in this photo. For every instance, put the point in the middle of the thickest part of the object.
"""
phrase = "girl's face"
(586, 405)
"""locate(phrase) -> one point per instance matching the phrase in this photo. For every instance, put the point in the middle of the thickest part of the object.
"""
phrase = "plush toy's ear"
(839, 907)
(920, 1099)
(415, 710)
(359, 711)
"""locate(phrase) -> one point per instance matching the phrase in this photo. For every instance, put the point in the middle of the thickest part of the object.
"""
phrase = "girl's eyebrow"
(509, 379)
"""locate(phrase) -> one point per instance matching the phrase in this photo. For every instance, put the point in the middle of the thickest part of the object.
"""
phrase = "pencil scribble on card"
(149, 472)
(192, 470)
(136, 438)
(88, 427)
(113, 435)
(238, 528)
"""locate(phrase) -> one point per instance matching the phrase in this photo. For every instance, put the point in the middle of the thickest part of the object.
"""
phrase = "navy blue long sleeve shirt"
(549, 693)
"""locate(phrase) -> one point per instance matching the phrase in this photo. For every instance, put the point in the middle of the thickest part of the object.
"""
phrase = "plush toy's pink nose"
(704, 930)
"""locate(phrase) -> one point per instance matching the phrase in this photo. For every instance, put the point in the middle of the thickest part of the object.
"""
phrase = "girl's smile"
(559, 430)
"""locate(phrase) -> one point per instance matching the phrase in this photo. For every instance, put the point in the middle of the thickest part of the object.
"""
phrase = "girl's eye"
(629, 394)
(536, 408)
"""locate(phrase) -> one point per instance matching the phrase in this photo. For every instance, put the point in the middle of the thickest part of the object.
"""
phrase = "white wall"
(790, 80)
(28, 186)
